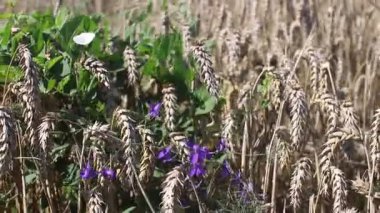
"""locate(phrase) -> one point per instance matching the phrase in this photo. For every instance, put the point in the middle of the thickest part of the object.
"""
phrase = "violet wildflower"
(164, 154)
(88, 172)
(197, 170)
(224, 171)
(222, 145)
(108, 173)
(198, 155)
(154, 109)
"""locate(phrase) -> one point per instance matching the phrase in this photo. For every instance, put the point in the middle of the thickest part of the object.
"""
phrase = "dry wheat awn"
(171, 190)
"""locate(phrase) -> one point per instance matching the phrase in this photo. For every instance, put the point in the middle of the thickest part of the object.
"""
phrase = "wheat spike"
(171, 190)
(7, 139)
(170, 106)
(330, 107)
(131, 65)
(298, 113)
(284, 152)
(228, 130)
(99, 132)
(275, 93)
(95, 203)
(334, 140)
(349, 119)
(99, 70)
(29, 92)
(234, 51)
(375, 140)
(300, 174)
(148, 157)
(339, 190)
(186, 39)
(129, 138)
(207, 74)
(44, 130)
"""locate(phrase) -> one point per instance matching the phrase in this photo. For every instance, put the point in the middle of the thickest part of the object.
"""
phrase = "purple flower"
(222, 145)
(224, 170)
(154, 110)
(88, 172)
(108, 173)
(198, 155)
(237, 180)
(197, 170)
(164, 154)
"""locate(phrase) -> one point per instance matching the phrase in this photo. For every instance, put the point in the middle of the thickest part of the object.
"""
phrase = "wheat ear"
(170, 106)
(29, 92)
(131, 65)
(44, 131)
(171, 190)
(7, 139)
(334, 140)
(349, 118)
(339, 190)
(375, 140)
(129, 138)
(98, 69)
(300, 174)
(147, 162)
(95, 203)
(298, 113)
(207, 74)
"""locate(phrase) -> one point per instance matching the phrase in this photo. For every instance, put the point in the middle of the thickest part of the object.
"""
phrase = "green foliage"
(80, 100)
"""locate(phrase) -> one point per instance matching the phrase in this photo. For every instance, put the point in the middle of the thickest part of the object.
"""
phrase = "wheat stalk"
(98, 69)
(170, 106)
(7, 139)
(300, 174)
(165, 22)
(171, 190)
(207, 74)
(131, 65)
(95, 203)
(147, 163)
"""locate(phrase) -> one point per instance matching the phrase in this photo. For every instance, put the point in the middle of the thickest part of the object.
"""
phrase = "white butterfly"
(84, 38)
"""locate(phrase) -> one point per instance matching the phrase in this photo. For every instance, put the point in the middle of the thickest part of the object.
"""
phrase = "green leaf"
(130, 209)
(206, 103)
(51, 63)
(62, 85)
(10, 73)
(62, 16)
(66, 69)
(30, 178)
(51, 85)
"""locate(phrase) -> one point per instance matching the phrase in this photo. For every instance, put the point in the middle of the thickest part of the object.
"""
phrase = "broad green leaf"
(51, 63)
(205, 102)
